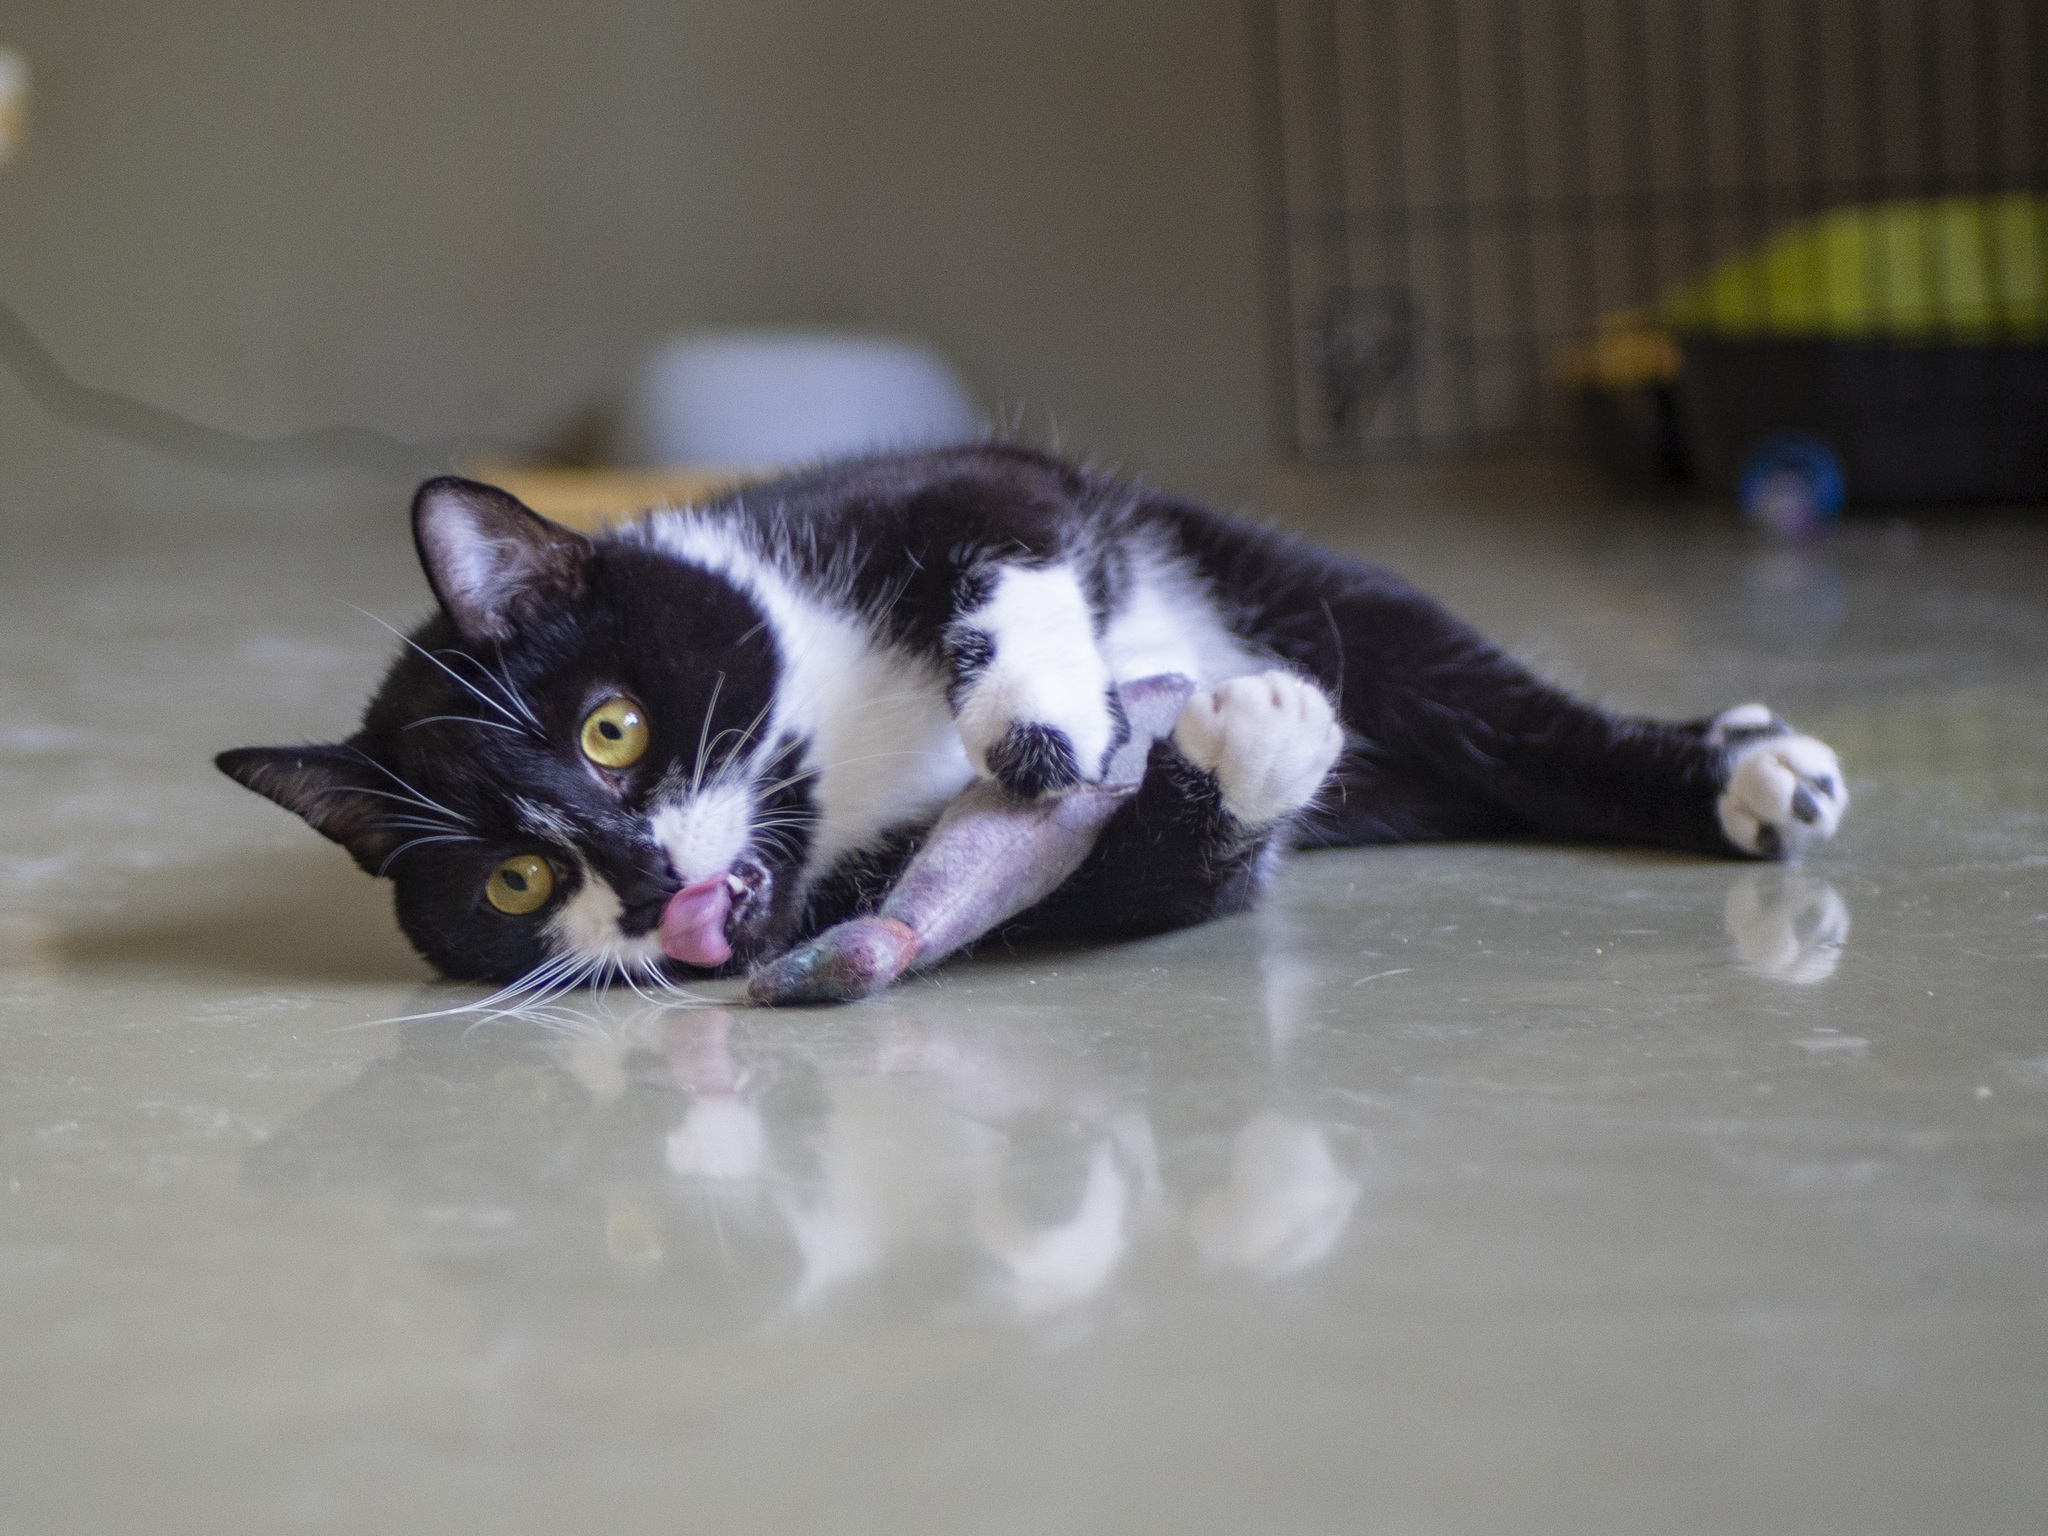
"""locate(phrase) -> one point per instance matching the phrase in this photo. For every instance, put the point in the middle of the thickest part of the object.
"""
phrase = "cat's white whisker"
(704, 733)
(483, 1004)
(455, 676)
(778, 844)
(625, 974)
(502, 679)
(419, 796)
(545, 983)
(385, 794)
(725, 770)
(418, 842)
(788, 819)
(496, 725)
(420, 824)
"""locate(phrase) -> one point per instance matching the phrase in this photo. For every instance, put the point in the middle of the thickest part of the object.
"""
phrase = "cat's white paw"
(1270, 740)
(1783, 791)
(1041, 736)
(1032, 693)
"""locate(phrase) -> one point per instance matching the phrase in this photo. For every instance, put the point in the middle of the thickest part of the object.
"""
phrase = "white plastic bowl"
(779, 397)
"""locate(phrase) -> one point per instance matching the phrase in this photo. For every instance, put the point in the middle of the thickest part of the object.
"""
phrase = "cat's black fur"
(992, 587)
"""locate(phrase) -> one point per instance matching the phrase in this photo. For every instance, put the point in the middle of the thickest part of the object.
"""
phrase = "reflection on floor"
(1510, 1188)
(986, 1161)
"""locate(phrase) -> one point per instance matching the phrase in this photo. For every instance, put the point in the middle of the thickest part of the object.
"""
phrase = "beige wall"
(440, 218)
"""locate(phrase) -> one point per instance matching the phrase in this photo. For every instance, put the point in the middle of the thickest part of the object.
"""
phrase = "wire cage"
(1674, 230)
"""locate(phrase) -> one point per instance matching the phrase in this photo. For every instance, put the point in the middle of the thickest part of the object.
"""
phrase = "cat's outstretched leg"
(1449, 737)
(1461, 740)
(1030, 691)
(1220, 798)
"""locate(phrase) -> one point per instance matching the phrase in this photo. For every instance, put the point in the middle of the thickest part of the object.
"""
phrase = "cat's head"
(574, 767)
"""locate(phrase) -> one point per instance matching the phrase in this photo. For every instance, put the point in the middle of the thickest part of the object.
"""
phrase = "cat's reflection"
(1004, 1161)
(1286, 1202)
(962, 1139)
(1786, 926)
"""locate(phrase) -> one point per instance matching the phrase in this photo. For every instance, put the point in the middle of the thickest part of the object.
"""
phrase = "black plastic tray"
(1950, 422)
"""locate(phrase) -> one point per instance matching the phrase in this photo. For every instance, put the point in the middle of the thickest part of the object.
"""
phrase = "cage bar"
(1461, 192)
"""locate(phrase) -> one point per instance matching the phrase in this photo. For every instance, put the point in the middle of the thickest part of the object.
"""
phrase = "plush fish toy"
(991, 855)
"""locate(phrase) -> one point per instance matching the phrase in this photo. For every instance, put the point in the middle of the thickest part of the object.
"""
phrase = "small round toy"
(1792, 485)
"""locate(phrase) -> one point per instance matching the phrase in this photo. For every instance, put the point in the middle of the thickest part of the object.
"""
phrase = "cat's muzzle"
(704, 924)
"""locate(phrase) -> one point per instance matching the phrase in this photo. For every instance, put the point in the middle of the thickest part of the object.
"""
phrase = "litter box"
(1895, 353)
(1907, 340)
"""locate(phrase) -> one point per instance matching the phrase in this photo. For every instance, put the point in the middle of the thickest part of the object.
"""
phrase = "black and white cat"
(686, 744)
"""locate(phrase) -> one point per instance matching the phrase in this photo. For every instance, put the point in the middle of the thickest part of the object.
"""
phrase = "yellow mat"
(590, 499)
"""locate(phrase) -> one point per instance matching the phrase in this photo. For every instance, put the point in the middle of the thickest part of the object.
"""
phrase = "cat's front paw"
(1782, 791)
(1032, 758)
(1031, 694)
(1038, 737)
(1270, 741)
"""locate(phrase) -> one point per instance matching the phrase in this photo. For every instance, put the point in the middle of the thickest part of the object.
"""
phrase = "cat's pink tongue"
(693, 923)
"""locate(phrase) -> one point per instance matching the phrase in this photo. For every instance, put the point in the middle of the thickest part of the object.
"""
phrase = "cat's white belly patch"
(1167, 623)
(883, 752)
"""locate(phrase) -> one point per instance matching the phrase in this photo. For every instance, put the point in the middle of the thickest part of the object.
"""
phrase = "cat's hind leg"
(1458, 718)
(1451, 737)
(1268, 740)
(1220, 798)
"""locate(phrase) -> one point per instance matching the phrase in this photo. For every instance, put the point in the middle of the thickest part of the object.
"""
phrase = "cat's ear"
(490, 559)
(325, 785)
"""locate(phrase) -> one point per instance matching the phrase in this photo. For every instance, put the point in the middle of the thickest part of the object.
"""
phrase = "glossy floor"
(1470, 1189)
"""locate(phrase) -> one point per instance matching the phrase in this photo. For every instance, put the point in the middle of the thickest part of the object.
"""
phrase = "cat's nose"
(641, 917)
(642, 894)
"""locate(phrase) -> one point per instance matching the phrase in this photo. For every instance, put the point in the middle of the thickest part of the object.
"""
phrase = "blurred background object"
(1669, 231)
(782, 397)
(13, 104)
(1791, 484)
(457, 220)
(705, 412)
(1195, 240)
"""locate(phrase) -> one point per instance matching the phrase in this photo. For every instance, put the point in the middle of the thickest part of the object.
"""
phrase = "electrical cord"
(115, 415)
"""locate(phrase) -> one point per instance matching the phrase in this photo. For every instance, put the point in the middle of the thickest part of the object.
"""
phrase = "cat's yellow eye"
(522, 884)
(615, 734)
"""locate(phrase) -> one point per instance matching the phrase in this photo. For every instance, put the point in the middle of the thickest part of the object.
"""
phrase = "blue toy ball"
(1792, 484)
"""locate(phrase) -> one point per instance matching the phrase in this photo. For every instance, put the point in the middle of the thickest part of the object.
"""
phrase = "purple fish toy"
(991, 855)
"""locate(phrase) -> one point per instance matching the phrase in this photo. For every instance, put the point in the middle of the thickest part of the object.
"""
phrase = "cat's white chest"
(884, 746)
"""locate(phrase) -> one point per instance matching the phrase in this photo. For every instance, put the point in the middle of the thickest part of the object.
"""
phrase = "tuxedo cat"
(685, 744)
